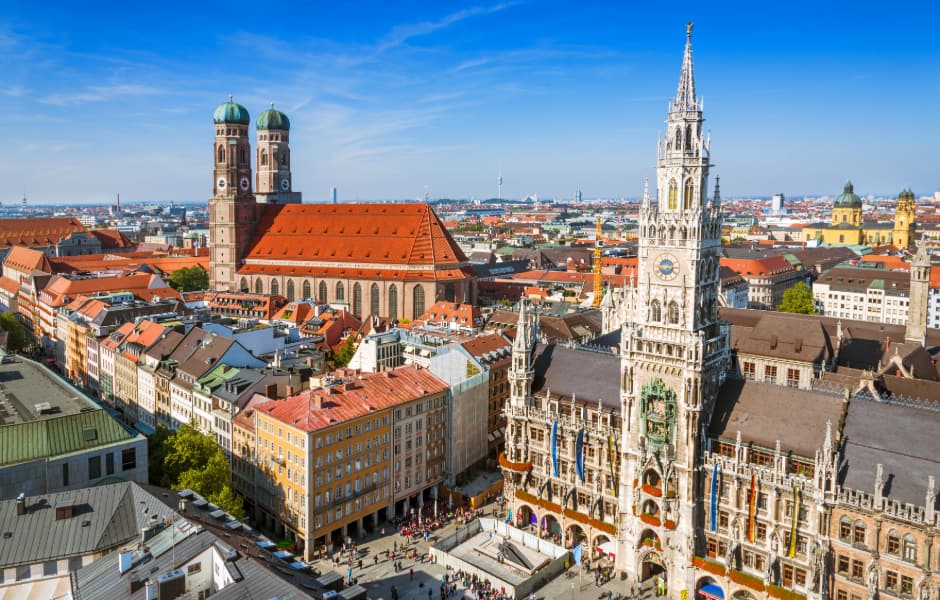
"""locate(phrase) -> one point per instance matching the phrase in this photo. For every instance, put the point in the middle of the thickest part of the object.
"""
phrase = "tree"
(798, 299)
(190, 279)
(16, 333)
(342, 356)
(187, 458)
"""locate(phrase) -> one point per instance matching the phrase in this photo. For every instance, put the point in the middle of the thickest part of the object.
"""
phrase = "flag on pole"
(576, 554)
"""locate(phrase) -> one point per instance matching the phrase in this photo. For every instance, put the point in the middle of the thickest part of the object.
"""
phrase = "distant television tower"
(499, 187)
(333, 194)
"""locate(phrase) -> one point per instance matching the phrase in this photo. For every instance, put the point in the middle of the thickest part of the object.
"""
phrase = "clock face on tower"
(666, 267)
(243, 184)
(285, 184)
(220, 183)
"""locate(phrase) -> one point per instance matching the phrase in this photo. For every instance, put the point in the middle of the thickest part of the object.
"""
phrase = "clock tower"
(674, 350)
(274, 179)
(232, 208)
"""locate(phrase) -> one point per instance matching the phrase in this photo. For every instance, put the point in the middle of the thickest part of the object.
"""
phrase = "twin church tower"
(234, 208)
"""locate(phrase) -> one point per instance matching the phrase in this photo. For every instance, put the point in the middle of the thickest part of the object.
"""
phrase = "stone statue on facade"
(873, 577)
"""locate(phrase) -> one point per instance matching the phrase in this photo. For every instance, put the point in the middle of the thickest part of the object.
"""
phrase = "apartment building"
(863, 294)
(324, 461)
(767, 279)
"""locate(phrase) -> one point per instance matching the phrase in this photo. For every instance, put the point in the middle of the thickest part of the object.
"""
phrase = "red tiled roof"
(26, 260)
(111, 239)
(380, 234)
(355, 273)
(895, 263)
(9, 286)
(463, 314)
(38, 231)
(316, 409)
(491, 348)
(771, 265)
(61, 288)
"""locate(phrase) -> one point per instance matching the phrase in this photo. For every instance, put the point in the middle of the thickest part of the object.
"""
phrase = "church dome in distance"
(272, 119)
(231, 112)
(848, 198)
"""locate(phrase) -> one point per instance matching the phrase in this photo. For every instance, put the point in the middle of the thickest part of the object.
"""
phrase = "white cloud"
(402, 33)
(99, 94)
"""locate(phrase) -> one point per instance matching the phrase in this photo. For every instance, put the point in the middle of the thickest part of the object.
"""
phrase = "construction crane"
(598, 292)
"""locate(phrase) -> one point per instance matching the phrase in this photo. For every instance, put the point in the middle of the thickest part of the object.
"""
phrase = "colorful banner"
(752, 510)
(611, 456)
(796, 515)
(714, 505)
(579, 455)
(555, 448)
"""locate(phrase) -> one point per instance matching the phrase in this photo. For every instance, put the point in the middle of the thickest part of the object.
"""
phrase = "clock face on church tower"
(666, 267)
(221, 183)
(285, 184)
(243, 184)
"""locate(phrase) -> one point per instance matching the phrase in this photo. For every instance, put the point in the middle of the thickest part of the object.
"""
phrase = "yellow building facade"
(849, 228)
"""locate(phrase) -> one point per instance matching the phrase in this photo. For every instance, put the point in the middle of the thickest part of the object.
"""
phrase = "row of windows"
(339, 295)
(128, 462)
(855, 533)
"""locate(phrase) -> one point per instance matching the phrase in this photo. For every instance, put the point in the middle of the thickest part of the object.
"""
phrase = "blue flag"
(576, 554)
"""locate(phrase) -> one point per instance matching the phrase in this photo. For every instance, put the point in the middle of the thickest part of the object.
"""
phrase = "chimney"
(21, 504)
(289, 391)
(125, 561)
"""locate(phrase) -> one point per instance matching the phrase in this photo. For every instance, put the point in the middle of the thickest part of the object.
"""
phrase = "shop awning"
(608, 548)
(712, 592)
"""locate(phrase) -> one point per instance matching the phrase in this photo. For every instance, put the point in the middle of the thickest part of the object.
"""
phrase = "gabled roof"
(378, 234)
(62, 290)
(38, 231)
(111, 239)
(26, 260)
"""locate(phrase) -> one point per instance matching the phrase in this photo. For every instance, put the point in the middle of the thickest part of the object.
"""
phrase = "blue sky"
(386, 98)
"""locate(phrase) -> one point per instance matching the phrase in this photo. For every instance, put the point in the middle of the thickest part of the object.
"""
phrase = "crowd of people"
(477, 588)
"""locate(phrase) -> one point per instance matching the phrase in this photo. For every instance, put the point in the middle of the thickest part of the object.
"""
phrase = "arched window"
(322, 292)
(357, 300)
(221, 154)
(275, 290)
(910, 548)
(259, 287)
(393, 302)
(283, 159)
(688, 137)
(689, 193)
(244, 285)
(656, 313)
(306, 289)
(845, 218)
(290, 290)
(340, 292)
(673, 194)
(858, 533)
(678, 139)
(418, 303)
(264, 158)
(374, 299)
(242, 156)
(673, 313)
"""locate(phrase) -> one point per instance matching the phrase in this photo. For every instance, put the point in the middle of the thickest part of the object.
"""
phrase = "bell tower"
(904, 217)
(232, 208)
(274, 183)
(674, 351)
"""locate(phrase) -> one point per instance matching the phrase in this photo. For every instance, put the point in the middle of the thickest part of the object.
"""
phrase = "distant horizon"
(396, 100)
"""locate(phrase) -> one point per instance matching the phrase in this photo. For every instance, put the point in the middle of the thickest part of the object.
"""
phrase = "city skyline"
(387, 104)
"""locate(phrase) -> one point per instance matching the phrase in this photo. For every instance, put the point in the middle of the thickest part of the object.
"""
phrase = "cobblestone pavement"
(378, 578)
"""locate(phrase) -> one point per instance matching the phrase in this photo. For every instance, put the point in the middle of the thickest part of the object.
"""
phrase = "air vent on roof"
(90, 435)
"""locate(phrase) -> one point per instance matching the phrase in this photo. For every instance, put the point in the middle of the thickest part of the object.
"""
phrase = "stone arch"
(650, 564)
(708, 587)
(264, 158)
(289, 290)
(525, 516)
(243, 286)
(743, 594)
(651, 508)
(655, 311)
(305, 289)
(549, 524)
(689, 194)
(652, 478)
(575, 535)
(649, 539)
(221, 154)
(678, 142)
(673, 195)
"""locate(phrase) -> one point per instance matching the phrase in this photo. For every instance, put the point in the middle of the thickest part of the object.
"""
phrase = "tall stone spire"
(685, 95)
(916, 330)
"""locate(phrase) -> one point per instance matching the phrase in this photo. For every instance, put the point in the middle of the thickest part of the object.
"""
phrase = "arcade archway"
(575, 535)
(525, 517)
(651, 565)
(707, 588)
(743, 595)
(551, 526)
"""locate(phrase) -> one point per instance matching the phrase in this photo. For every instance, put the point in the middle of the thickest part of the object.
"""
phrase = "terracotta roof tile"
(26, 260)
(38, 231)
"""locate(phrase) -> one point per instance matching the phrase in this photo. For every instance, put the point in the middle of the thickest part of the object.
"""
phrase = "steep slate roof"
(566, 372)
(785, 336)
(903, 439)
(32, 440)
(38, 231)
(765, 413)
(316, 409)
(329, 236)
(114, 514)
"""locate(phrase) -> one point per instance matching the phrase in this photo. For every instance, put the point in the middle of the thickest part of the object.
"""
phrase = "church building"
(848, 228)
(392, 260)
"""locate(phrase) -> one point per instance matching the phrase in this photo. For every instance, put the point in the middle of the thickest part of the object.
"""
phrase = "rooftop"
(30, 392)
(587, 375)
